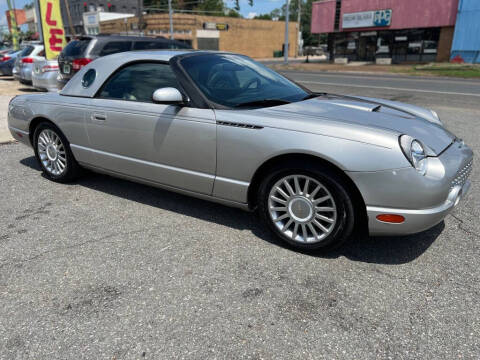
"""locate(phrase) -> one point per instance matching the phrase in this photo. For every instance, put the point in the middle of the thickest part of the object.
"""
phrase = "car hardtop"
(105, 66)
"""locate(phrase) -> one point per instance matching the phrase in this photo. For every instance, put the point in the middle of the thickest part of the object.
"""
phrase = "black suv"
(81, 51)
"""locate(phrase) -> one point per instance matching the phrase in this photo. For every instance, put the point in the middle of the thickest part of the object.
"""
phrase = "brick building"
(255, 38)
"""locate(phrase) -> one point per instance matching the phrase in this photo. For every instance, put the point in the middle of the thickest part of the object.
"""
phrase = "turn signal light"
(391, 218)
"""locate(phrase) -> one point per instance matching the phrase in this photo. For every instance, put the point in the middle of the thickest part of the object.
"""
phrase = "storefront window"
(412, 45)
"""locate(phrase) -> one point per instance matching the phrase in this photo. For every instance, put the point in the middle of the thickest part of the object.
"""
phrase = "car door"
(165, 144)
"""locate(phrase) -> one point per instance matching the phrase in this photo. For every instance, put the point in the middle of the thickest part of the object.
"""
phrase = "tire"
(53, 153)
(309, 205)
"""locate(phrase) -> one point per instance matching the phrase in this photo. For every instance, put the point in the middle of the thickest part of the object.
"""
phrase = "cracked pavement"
(107, 269)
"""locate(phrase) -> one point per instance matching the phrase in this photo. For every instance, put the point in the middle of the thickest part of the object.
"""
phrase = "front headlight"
(415, 153)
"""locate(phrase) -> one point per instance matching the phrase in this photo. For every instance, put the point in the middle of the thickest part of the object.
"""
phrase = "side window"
(145, 45)
(137, 82)
(115, 47)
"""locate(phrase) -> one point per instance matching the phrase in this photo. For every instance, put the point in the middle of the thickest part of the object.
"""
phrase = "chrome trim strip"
(26, 133)
(144, 162)
(233, 181)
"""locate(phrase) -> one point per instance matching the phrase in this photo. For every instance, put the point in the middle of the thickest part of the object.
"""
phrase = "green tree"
(195, 5)
(263, 17)
(211, 6)
(234, 13)
(305, 18)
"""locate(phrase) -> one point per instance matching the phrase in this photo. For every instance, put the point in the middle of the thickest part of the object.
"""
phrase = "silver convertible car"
(225, 128)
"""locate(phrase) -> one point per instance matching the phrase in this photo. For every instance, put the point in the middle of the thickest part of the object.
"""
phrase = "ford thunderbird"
(225, 128)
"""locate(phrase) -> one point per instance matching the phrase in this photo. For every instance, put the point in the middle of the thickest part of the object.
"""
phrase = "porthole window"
(89, 78)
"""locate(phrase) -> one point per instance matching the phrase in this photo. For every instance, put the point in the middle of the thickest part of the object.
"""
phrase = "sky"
(259, 7)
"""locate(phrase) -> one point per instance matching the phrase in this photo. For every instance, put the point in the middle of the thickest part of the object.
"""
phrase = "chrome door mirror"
(168, 95)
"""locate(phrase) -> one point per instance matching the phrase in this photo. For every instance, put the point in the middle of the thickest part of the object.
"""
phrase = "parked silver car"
(23, 68)
(225, 128)
(44, 75)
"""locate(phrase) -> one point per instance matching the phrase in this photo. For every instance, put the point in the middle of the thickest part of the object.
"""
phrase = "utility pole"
(67, 7)
(140, 16)
(39, 21)
(285, 48)
(170, 16)
(299, 19)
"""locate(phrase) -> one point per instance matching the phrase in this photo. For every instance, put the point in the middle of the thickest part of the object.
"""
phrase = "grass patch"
(452, 70)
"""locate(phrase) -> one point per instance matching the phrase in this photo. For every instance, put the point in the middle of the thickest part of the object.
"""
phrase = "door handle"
(99, 117)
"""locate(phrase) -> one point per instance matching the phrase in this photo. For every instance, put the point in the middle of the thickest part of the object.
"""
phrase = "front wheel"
(308, 208)
(53, 153)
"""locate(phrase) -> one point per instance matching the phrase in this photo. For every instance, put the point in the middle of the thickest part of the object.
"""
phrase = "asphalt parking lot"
(108, 269)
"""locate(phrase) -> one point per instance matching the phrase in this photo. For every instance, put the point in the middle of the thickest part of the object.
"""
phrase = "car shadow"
(28, 89)
(362, 248)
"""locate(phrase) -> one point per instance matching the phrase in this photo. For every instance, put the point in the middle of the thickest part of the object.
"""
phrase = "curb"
(8, 142)
(383, 73)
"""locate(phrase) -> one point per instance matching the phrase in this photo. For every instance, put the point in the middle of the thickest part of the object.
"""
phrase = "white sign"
(364, 19)
(357, 20)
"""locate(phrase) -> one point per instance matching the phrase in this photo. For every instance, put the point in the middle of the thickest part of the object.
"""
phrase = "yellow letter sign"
(52, 28)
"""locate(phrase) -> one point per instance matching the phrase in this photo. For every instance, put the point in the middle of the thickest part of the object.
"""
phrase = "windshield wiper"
(263, 102)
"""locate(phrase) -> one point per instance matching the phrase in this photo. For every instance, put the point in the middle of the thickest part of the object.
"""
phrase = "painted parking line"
(389, 88)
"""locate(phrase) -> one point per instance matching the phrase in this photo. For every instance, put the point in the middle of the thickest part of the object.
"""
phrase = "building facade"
(255, 38)
(466, 40)
(76, 8)
(393, 30)
(31, 19)
(19, 18)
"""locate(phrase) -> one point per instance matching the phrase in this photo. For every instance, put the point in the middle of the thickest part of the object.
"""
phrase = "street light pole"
(140, 17)
(285, 49)
(170, 16)
(299, 20)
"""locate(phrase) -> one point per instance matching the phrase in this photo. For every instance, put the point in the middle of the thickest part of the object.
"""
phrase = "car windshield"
(237, 81)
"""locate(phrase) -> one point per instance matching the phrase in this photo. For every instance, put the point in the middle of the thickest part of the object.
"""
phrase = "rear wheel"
(53, 153)
(307, 207)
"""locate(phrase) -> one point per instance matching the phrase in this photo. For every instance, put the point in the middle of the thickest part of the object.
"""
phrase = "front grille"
(462, 174)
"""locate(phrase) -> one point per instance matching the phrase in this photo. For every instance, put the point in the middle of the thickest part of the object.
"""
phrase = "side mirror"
(168, 95)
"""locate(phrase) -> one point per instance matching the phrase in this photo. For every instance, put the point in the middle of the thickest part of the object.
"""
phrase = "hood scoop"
(362, 106)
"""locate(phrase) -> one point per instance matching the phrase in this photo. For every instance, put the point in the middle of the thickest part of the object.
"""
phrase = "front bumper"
(423, 201)
(415, 220)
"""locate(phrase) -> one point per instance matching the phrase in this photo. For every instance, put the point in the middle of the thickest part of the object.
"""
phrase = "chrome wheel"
(302, 209)
(51, 152)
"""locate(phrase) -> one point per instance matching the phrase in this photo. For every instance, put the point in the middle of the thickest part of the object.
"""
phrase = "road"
(108, 269)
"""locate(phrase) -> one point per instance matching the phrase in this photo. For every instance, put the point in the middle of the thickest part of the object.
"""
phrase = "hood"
(373, 113)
